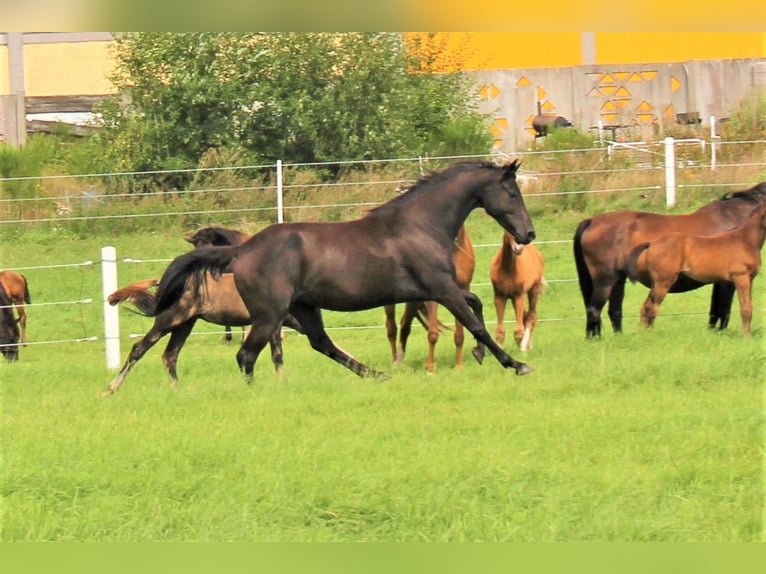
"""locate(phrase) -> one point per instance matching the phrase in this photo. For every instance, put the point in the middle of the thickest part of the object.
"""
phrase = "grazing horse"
(603, 243)
(399, 251)
(733, 256)
(208, 236)
(426, 313)
(9, 328)
(516, 271)
(216, 301)
(17, 288)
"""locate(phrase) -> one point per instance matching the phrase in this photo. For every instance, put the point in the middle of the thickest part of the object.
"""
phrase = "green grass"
(647, 436)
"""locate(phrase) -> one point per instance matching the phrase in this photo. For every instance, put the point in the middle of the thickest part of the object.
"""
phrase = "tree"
(294, 96)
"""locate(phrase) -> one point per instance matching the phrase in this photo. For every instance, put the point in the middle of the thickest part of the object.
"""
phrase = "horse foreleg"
(22, 323)
(500, 302)
(744, 287)
(720, 304)
(530, 318)
(261, 333)
(616, 296)
(178, 337)
(459, 338)
(475, 306)
(390, 311)
(651, 306)
(518, 306)
(310, 319)
(433, 335)
(466, 308)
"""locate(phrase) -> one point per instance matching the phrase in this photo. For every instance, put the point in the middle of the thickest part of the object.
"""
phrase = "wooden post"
(15, 114)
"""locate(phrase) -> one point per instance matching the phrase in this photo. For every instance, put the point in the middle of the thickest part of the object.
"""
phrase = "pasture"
(646, 436)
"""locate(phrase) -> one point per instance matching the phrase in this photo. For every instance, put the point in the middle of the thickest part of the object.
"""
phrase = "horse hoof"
(106, 393)
(524, 369)
(478, 354)
(381, 376)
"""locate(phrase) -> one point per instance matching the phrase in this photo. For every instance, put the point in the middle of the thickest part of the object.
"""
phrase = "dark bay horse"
(602, 244)
(427, 313)
(215, 301)
(399, 251)
(733, 256)
(17, 288)
(516, 273)
(9, 328)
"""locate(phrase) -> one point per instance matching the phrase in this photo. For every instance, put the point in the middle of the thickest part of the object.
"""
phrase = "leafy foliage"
(298, 97)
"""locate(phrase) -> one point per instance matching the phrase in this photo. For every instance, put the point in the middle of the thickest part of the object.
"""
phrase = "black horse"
(603, 243)
(9, 328)
(216, 236)
(400, 251)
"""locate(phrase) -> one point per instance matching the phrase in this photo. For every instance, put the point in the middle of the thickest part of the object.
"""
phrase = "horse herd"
(414, 249)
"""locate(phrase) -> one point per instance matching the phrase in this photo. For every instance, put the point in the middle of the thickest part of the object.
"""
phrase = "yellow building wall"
(4, 77)
(506, 50)
(639, 47)
(62, 69)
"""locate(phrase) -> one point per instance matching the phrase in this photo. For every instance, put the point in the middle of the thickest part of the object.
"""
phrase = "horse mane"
(437, 177)
(751, 194)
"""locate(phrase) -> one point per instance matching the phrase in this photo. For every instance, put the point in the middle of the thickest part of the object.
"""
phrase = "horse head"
(502, 199)
(9, 330)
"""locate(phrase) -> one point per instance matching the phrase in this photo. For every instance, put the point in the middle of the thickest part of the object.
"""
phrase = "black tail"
(192, 266)
(27, 297)
(583, 275)
(631, 264)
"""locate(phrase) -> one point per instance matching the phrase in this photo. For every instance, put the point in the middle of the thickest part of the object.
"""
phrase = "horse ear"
(510, 169)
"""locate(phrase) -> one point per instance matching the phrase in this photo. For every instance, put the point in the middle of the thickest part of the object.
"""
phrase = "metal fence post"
(111, 314)
(670, 172)
(280, 206)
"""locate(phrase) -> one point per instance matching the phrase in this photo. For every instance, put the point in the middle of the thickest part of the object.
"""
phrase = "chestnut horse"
(516, 272)
(216, 301)
(17, 288)
(426, 313)
(398, 252)
(733, 256)
(603, 243)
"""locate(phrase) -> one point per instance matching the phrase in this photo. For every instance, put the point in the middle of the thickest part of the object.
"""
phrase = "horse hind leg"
(136, 352)
(616, 297)
(178, 337)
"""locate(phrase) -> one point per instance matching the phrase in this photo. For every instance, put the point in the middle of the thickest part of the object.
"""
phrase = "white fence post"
(670, 172)
(111, 314)
(713, 143)
(280, 207)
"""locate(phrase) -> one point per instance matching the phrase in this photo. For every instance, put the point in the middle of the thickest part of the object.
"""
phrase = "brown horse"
(426, 313)
(17, 288)
(603, 243)
(9, 328)
(398, 252)
(516, 272)
(216, 301)
(733, 256)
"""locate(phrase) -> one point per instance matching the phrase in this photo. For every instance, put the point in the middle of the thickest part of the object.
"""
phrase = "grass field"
(647, 436)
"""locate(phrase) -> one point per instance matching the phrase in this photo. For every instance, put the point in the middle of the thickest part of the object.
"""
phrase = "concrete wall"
(632, 101)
